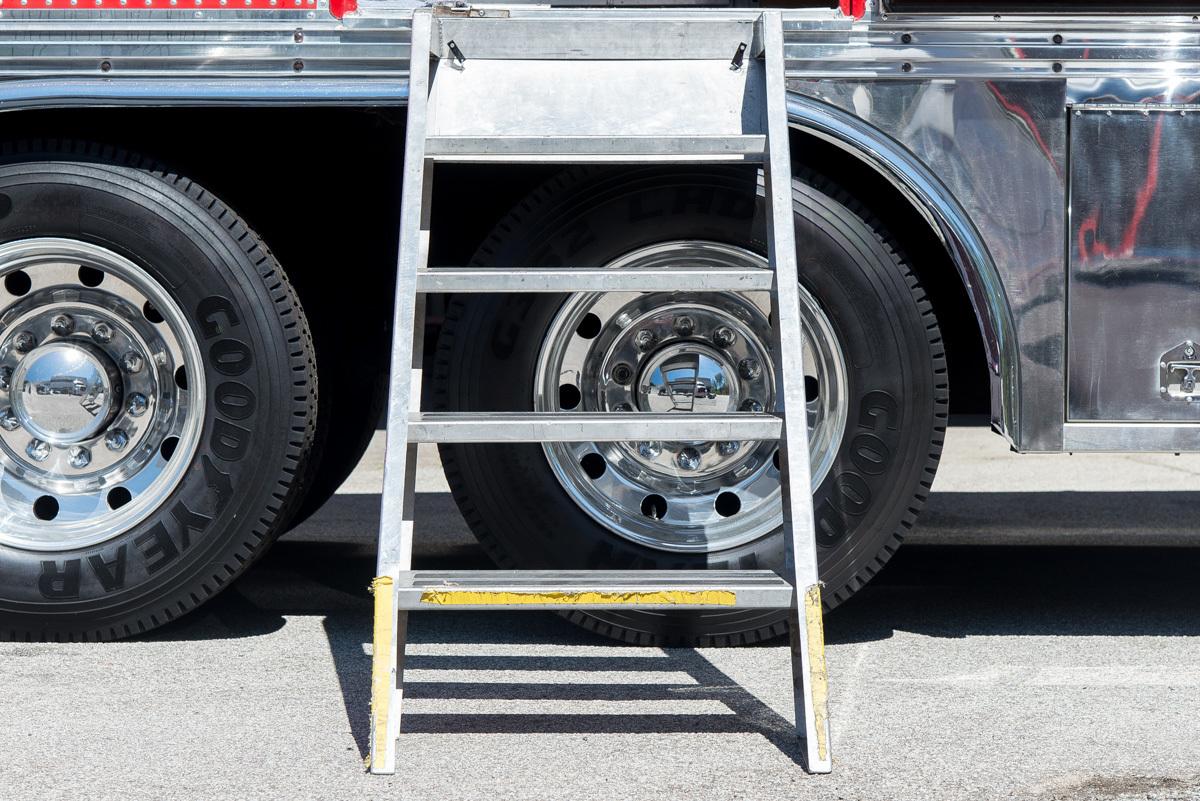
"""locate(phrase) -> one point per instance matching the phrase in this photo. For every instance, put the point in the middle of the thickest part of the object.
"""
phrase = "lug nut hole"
(654, 507)
(181, 378)
(775, 459)
(118, 497)
(167, 449)
(90, 276)
(17, 282)
(569, 396)
(151, 313)
(812, 388)
(728, 504)
(45, 508)
(589, 326)
(594, 465)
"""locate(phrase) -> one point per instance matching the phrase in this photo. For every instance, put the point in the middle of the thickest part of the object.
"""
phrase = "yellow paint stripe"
(445, 597)
(816, 667)
(381, 668)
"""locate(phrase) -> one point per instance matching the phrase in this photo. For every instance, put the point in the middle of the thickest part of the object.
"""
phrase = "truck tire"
(157, 394)
(877, 391)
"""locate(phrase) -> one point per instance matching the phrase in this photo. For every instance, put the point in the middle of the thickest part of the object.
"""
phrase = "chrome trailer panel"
(968, 116)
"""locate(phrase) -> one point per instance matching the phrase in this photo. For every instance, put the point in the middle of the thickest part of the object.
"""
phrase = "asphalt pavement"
(1037, 638)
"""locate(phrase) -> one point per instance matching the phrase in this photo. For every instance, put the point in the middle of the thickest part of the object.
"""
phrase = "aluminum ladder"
(526, 86)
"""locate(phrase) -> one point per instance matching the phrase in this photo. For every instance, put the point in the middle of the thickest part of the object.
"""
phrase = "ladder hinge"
(738, 56)
(459, 8)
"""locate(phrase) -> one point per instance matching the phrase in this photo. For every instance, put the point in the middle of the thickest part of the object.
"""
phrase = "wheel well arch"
(948, 253)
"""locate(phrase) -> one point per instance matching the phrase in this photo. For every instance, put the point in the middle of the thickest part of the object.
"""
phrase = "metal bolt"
(644, 340)
(750, 369)
(5, 378)
(649, 450)
(684, 326)
(79, 457)
(116, 439)
(24, 342)
(1189, 351)
(37, 450)
(62, 324)
(688, 459)
(8, 420)
(102, 332)
(728, 448)
(751, 405)
(622, 373)
(137, 404)
(132, 362)
(723, 337)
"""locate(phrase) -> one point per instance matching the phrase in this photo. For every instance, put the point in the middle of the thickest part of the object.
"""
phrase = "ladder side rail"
(807, 636)
(396, 512)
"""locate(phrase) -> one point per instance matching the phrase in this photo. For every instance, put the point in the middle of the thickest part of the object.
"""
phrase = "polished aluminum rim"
(101, 394)
(681, 352)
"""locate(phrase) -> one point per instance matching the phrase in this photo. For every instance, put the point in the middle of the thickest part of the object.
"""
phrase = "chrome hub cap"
(100, 394)
(681, 353)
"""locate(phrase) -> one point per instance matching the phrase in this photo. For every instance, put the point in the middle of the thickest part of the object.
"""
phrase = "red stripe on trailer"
(853, 8)
(164, 5)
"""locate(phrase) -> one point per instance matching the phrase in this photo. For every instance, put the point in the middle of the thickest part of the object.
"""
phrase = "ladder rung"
(471, 279)
(591, 426)
(602, 149)
(589, 589)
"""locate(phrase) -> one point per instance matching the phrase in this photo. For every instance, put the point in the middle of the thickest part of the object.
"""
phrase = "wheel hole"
(167, 449)
(45, 508)
(594, 465)
(569, 396)
(118, 497)
(728, 504)
(151, 313)
(589, 326)
(775, 459)
(181, 378)
(17, 282)
(90, 276)
(812, 388)
(654, 507)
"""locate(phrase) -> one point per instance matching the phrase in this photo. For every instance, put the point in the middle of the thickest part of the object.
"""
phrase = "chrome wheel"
(683, 352)
(100, 394)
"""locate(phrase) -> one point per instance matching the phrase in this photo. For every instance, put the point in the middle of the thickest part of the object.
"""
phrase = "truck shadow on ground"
(1036, 587)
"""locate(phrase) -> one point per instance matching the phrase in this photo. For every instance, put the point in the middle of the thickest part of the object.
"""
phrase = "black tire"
(248, 468)
(898, 386)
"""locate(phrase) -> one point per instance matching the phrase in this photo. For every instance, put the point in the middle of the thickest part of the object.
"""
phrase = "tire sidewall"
(490, 348)
(180, 553)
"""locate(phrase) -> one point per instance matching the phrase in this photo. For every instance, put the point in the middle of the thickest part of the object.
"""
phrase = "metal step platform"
(488, 85)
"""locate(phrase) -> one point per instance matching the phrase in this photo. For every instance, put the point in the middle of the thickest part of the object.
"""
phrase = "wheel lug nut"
(79, 457)
(116, 439)
(644, 340)
(8, 420)
(688, 459)
(622, 373)
(723, 337)
(38, 450)
(750, 369)
(728, 448)
(102, 332)
(684, 326)
(62, 324)
(649, 450)
(622, 407)
(24, 342)
(137, 404)
(5, 378)
(751, 405)
(131, 362)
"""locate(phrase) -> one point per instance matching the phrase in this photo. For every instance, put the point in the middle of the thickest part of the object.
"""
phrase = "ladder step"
(590, 589)
(592, 426)
(599, 149)
(471, 279)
